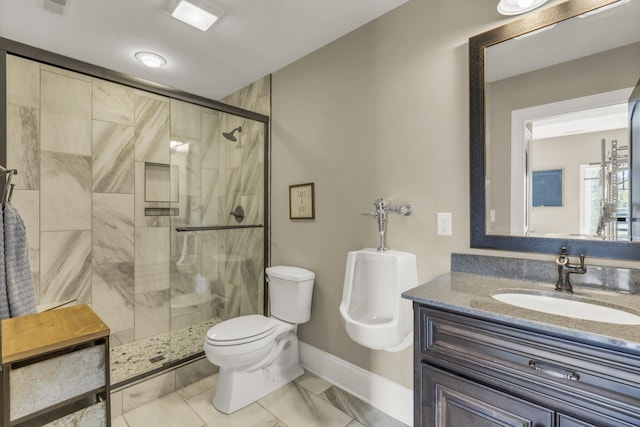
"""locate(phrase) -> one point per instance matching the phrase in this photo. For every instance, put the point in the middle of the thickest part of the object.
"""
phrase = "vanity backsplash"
(616, 279)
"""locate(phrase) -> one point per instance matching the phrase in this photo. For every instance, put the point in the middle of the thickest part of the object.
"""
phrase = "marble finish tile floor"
(307, 402)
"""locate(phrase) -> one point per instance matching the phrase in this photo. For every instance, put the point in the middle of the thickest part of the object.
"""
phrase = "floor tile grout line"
(204, 423)
(187, 397)
(272, 414)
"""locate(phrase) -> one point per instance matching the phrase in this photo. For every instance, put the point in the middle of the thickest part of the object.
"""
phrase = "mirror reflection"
(557, 136)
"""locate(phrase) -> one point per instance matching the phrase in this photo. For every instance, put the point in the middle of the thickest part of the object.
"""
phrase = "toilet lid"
(290, 273)
(241, 330)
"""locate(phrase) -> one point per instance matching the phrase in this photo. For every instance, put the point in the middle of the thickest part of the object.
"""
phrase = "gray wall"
(381, 112)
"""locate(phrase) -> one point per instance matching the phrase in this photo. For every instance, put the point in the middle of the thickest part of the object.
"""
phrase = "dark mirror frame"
(479, 238)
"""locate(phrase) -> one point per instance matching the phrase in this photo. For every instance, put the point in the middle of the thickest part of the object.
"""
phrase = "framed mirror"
(554, 120)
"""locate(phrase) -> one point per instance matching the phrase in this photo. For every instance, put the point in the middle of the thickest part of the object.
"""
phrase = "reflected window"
(600, 213)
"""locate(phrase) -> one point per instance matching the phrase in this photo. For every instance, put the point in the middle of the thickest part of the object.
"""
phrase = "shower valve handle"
(238, 213)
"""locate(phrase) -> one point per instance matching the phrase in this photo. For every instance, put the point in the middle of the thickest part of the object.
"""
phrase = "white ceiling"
(596, 119)
(252, 39)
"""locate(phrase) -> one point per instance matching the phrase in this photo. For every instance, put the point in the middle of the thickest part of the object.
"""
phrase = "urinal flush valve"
(382, 208)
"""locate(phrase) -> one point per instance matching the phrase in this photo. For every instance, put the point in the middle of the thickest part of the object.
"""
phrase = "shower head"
(230, 135)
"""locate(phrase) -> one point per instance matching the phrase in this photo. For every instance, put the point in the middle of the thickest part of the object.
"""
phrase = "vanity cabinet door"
(564, 420)
(452, 401)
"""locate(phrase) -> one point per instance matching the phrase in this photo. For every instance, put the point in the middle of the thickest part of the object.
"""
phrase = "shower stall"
(211, 200)
(144, 202)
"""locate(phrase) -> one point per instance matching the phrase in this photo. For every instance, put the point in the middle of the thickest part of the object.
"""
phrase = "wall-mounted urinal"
(375, 315)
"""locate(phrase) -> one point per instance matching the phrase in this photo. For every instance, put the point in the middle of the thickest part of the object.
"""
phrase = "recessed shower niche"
(158, 281)
(161, 189)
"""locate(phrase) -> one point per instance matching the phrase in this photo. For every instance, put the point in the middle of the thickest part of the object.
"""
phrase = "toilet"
(256, 354)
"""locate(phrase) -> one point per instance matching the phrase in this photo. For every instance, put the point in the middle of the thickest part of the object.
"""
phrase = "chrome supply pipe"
(382, 209)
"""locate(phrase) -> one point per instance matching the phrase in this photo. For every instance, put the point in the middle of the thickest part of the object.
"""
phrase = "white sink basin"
(569, 308)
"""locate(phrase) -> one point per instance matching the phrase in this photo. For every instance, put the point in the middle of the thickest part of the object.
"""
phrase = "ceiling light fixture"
(197, 13)
(516, 7)
(150, 59)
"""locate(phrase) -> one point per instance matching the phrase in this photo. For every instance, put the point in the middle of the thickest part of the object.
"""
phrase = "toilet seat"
(241, 330)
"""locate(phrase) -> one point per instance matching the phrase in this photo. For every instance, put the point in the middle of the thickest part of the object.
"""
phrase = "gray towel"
(4, 298)
(18, 280)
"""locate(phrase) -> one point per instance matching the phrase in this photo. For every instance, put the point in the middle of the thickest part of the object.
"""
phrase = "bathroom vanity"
(55, 369)
(482, 362)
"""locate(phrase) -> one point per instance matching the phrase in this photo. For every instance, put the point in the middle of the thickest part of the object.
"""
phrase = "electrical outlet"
(444, 224)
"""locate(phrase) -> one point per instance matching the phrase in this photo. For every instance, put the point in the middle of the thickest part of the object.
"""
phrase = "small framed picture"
(301, 201)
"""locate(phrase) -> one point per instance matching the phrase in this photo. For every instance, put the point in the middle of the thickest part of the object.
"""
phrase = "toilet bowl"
(373, 311)
(258, 354)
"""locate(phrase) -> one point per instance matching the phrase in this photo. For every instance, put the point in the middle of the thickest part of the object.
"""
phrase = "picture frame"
(301, 201)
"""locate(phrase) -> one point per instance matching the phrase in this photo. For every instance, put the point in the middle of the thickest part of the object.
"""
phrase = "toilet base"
(237, 389)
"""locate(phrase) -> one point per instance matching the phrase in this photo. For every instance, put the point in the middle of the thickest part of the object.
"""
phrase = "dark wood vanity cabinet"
(451, 400)
(472, 371)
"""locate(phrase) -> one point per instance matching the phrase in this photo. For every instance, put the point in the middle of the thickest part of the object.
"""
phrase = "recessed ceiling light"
(197, 13)
(516, 7)
(150, 59)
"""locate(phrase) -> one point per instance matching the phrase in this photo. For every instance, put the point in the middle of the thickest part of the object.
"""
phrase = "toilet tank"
(290, 290)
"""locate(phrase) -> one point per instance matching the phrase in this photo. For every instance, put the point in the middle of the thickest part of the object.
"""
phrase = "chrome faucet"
(565, 268)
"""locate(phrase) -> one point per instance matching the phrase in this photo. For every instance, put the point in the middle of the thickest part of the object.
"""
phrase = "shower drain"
(156, 359)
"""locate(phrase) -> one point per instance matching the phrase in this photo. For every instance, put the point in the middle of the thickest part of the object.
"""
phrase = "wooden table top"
(36, 334)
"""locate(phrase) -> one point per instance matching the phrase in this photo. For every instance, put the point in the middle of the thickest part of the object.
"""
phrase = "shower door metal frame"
(18, 49)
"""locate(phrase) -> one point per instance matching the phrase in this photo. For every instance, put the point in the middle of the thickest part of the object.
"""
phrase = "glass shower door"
(218, 234)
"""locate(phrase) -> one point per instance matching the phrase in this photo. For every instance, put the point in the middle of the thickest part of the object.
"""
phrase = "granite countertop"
(467, 293)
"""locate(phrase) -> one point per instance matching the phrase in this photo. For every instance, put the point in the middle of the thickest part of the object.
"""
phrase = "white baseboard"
(384, 394)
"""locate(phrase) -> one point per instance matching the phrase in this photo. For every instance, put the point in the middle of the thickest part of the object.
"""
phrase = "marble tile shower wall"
(215, 176)
(80, 145)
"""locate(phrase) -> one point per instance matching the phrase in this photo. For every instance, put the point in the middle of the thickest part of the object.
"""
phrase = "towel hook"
(7, 191)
